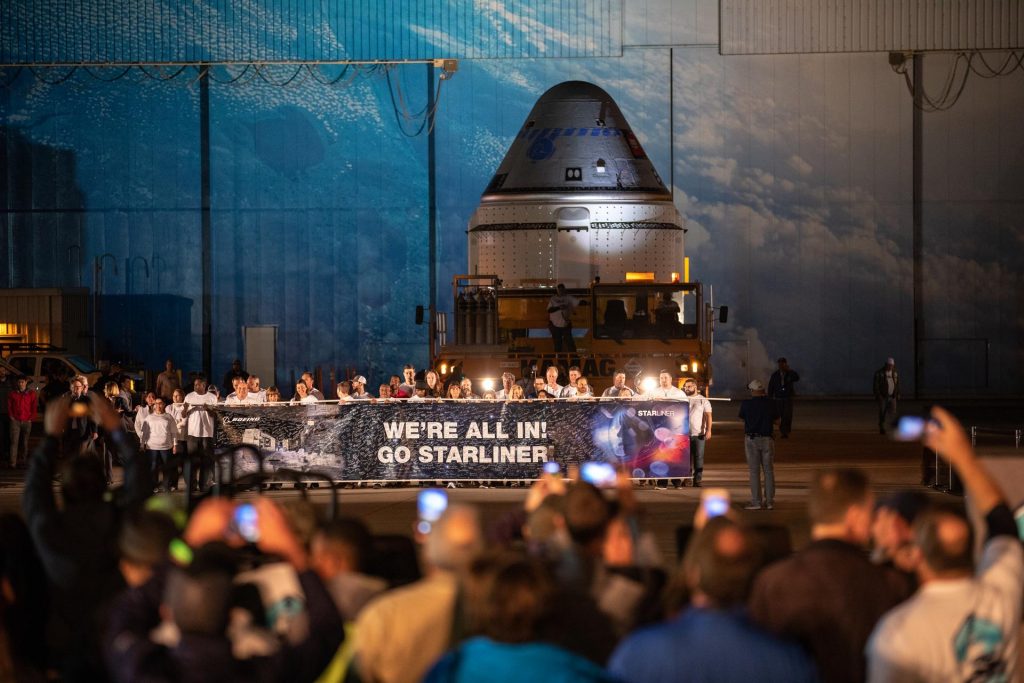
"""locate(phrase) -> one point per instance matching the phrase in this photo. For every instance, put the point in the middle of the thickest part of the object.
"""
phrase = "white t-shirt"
(249, 400)
(698, 406)
(177, 411)
(663, 392)
(159, 432)
(955, 630)
(200, 422)
(141, 413)
(563, 316)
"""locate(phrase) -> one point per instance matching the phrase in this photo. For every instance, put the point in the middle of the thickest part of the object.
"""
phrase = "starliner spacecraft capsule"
(575, 199)
(576, 202)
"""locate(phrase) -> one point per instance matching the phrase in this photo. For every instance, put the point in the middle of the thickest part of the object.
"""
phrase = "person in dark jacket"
(829, 595)
(77, 543)
(781, 390)
(759, 416)
(886, 387)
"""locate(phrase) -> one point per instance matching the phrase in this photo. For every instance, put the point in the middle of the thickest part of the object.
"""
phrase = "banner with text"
(451, 440)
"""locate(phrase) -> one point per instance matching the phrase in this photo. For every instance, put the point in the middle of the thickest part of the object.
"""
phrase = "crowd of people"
(121, 585)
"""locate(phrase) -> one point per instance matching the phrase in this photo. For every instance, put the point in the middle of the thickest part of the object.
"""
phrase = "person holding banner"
(359, 392)
(307, 378)
(552, 386)
(467, 388)
(435, 388)
(665, 388)
(408, 386)
(199, 434)
(302, 395)
(507, 380)
(618, 384)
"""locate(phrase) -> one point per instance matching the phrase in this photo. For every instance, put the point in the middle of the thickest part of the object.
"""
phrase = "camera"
(430, 504)
(910, 428)
(715, 502)
(600, 474)
(245, 523)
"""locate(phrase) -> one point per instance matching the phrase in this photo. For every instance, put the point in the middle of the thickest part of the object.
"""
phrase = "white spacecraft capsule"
(574, 199)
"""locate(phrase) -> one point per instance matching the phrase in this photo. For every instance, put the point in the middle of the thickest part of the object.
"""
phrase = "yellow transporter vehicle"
(625, 326)
(577, 202)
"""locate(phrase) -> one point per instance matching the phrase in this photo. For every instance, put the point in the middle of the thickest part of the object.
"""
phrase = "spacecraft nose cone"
(575, 140)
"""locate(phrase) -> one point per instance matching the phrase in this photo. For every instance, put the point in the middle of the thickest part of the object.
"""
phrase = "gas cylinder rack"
(476, 309)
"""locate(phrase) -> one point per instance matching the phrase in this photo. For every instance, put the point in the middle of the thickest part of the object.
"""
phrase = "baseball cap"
(359, 378)
(756, 385)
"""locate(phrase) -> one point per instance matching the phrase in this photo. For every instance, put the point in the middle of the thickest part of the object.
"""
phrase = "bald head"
(456, 539)
(946, 541)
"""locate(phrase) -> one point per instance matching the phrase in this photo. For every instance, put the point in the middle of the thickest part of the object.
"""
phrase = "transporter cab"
(577, 202)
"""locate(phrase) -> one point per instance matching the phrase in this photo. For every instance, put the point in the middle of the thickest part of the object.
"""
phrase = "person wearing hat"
(887, 392)
(780, 389)
(759, 416)
(359, 392)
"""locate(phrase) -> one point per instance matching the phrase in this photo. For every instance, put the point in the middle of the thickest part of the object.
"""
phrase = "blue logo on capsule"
(541, 149)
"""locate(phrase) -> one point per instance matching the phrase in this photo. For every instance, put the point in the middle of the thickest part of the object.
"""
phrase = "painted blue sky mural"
(793, 172)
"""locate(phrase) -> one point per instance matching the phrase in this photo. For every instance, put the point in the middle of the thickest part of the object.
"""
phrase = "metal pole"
(919, 331)
(206, 241)
(671, 126)
(431, 214)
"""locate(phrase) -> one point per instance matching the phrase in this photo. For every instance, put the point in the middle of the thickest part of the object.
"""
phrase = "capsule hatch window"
(650, 312)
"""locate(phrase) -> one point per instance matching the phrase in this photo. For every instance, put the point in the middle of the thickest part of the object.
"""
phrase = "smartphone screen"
(431, 504)
(552, 468)
(909, 428)
(715, 502)
(246, 523)
(598, 473)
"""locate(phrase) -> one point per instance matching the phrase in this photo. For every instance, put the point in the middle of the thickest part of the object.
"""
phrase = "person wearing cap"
(887, 392)
(359, 392)
(759, 416)
(780, 389)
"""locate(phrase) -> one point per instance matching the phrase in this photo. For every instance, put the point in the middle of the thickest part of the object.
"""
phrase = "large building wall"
(794, 174)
